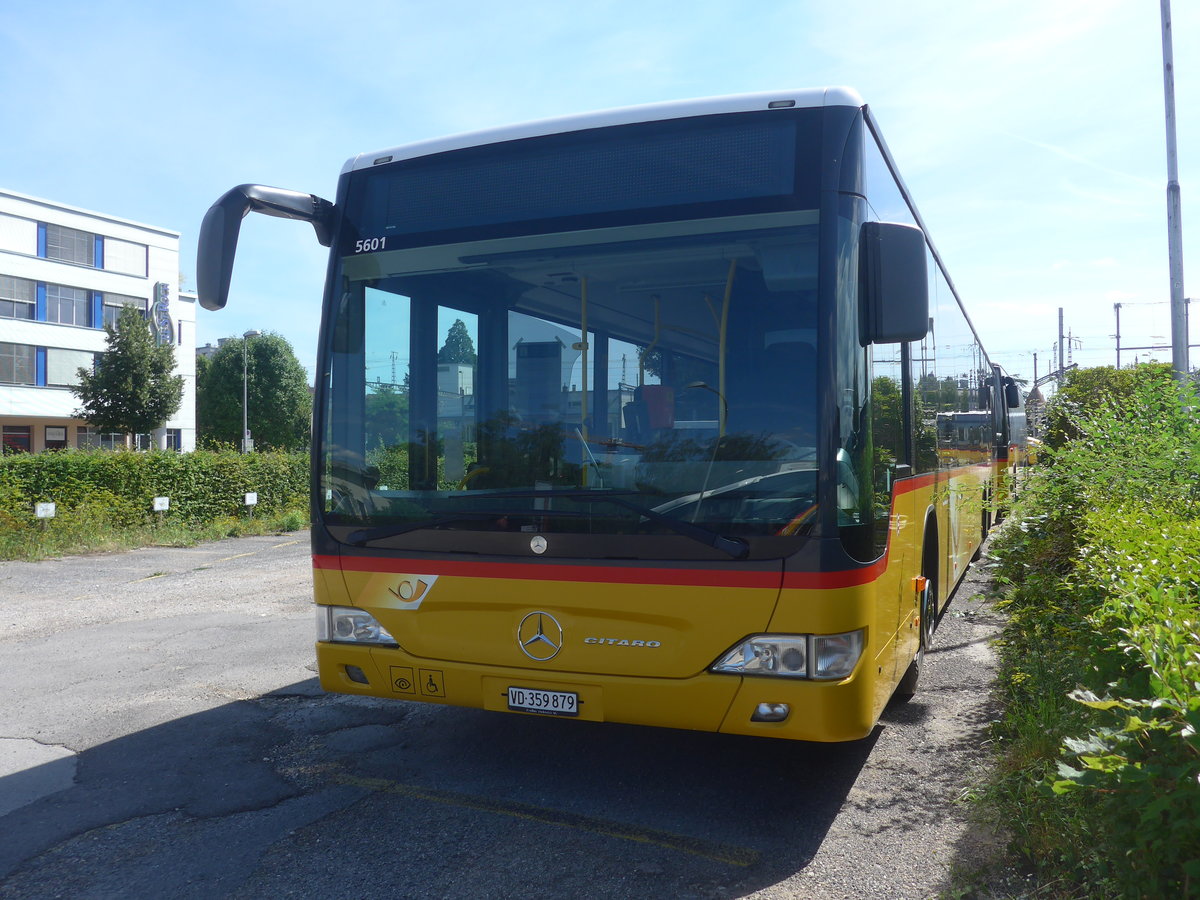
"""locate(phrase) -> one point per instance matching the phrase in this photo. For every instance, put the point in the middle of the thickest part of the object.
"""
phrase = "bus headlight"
(345, 624)
(767, 654)
(817, 656)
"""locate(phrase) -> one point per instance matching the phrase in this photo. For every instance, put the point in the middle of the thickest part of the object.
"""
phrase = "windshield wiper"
(735, 547)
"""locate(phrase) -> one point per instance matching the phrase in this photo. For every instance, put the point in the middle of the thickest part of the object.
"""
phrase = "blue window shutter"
(99, 251)
(42, 239)
(39, 354)
(41, 300)
(97, 309)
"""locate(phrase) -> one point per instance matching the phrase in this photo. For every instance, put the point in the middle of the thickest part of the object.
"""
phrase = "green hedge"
(101, 495)
(1099, 778)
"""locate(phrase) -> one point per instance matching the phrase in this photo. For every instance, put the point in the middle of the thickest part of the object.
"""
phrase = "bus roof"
(678, 109)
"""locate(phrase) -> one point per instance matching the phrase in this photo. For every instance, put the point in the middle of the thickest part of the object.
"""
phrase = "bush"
(1099, 779)
(105, 499)
(1084, 390)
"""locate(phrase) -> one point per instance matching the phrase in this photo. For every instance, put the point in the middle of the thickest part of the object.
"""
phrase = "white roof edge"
(79, 210)
(805, 98)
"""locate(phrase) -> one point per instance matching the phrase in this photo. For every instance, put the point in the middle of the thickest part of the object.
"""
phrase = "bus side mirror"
(219, 231)
(1012, 394)
(894, 283)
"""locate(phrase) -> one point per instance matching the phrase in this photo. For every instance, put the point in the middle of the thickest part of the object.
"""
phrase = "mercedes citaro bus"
(633, 417)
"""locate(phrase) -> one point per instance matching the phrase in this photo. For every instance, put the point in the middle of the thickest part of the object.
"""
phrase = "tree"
(279, 405)
(1084, 390)
(202, 364)
(132, 390)
(386, 415)
(887, 420)
(459, 348)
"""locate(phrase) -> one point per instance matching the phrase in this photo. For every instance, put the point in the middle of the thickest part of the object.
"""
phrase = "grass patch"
(99, 537)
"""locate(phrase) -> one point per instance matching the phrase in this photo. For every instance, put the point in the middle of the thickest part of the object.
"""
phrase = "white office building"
(65, 273)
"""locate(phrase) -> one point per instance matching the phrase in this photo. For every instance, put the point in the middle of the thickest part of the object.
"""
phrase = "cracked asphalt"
(162, 734)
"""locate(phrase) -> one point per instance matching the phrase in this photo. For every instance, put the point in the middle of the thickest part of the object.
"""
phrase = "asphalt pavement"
(163, 735)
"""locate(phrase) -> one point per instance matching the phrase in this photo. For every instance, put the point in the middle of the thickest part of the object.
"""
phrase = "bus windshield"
(514, 384)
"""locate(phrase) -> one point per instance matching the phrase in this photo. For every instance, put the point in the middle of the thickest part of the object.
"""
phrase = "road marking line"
(259, 550)
(238, 556)
(724, 853)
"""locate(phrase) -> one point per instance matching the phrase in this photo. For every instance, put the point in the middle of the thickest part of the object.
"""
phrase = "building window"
(18, 438)
(18, 234)
(89, 439)
(62, 366)
(175, 439)
(18, 364)
(125, 257)
(67, 305)
(114, 303)
(18, 298)
(56, 437)
(70, 245)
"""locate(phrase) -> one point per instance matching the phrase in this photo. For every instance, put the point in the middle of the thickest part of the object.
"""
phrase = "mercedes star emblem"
(539, 636)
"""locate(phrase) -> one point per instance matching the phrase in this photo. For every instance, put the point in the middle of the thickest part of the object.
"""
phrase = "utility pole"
(1179, 324)
(247, 442)
(1061, 367)
(1117, 307)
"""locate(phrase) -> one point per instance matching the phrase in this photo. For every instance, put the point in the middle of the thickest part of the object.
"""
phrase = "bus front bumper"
(730, 704)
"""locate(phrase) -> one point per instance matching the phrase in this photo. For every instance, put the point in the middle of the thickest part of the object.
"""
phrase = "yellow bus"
(632, 417)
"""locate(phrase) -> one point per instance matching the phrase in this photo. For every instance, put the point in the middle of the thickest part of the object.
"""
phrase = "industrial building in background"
(64, 274)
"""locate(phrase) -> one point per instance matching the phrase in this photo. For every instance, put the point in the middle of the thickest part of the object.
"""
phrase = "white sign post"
(45, 510)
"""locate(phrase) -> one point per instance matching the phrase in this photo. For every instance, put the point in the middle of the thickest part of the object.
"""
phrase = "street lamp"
(247, 443)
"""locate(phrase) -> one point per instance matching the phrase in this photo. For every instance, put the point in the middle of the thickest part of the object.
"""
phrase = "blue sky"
(1030, 133)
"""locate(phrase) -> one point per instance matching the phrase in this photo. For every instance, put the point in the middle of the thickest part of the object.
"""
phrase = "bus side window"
(888, 443)
(651, 409)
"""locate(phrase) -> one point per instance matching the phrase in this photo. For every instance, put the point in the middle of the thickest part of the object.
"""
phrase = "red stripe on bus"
(844, 578)
(907, 485)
